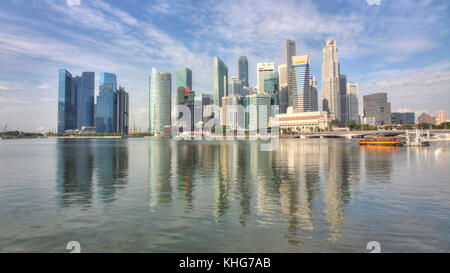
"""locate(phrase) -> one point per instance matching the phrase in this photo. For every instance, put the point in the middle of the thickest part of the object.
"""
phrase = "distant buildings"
(283, 88)
(330, 79)
(263, 69)
(85, 100)
(426, 119)
(220, 81)
(235, 87)
(271, 82)
(289, 52)
(376, 106)
(314, 94)
(300, 83)
(343, 97)
(353, 102)
(67, 101)
(259, 111)
(160, 92)
(243, 71)
(442, 117)
(406, 118)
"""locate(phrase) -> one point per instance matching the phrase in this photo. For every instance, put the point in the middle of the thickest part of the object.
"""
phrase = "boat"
(380, 141)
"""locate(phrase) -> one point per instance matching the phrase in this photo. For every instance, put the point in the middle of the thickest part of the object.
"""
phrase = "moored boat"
(381, 141)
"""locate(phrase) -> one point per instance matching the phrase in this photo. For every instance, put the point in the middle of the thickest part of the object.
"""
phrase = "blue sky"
(400, 47)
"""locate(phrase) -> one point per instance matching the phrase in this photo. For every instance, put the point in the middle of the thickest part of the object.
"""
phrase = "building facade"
(303, 121)
(263, 69)
(123, 112)
(442, 117)
(67, 101)
(234, 87)
(289, 52)
(353, 102)
(271, 82)
(300, 83)
(160, 104)
(426, 119)
(343, 99)
(184, 77)
(243, 71)
(85, 100)
(259, 111)
(314, 94)
(220, 81)
(106, 114)
(406, 118)
(330, 79)
(376, 106)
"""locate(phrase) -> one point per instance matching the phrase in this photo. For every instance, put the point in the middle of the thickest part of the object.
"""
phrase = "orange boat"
(381, 141)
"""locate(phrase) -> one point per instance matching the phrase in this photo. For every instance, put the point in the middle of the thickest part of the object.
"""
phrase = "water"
(160, 195)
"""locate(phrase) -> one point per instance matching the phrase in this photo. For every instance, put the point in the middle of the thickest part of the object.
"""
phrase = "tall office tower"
(220, 81)
(85, 100)
(442, 117)
(343, 98)
(160, 105)
(234, 87)
(234, 119)
(353, 102)
(243, 71)
(206, 99)
(271, 82)
(122, 111)
(376, 106)
(106, 113)
(283, 87)
(259, 115)
(67, 101)
(263, 70)
(300, 83)
(289, 52)
(330, 79)
(314, 94)
(184, 78)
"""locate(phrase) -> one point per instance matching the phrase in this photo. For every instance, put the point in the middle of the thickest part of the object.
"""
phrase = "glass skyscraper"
(243, 70)
(184, 78)
(271, 82)
(67, 101)
(85, 101)
(106, 119)
(160, 101)
(300, 83)
(220, 81)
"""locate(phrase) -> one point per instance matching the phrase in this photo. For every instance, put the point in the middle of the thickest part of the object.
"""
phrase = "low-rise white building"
(302, 121)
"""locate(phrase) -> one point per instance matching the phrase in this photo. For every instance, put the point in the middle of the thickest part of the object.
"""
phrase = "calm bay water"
(160, 195)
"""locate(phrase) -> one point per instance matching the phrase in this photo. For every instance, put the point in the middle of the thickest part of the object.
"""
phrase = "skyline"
(402, 59)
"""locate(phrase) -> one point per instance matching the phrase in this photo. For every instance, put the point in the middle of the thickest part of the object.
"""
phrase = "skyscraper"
(234, 87)
(271, 82)
(289, 52)
(353, 102)
(67, 101)
(376, 106)
(314, 94)
(283, 87)
(330, 79)
(260, 111)
(184, 78)
(243, 70)
(106, 114)
(343, 97)
(263, 69)
(300, 83)
(220, 81)
(85, 100)
(122, 111)
(160, 104)
(442, 117)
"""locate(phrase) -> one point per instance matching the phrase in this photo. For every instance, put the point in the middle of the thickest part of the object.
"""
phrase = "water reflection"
(80, 161)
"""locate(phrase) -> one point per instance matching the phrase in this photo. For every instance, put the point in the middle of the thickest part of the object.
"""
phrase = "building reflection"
(111, 165)
(221, 179)
(186, 158)
(159, 172)
(378, 163)
(75, 168)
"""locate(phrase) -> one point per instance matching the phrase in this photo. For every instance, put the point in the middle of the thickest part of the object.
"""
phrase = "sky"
(400, 47)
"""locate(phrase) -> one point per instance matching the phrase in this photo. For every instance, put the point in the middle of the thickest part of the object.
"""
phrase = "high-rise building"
(220, 81)
(234, 119)
(260, 111)
(122, 111)
(106, 113)
(442, 117)
(343, 98)
(330, 79)
(85, 100)
(184, 78)
(289, 52)
(300, 83)
(406, 118)
(243, 70)
(160, 104)
(426, 119)
(376, 106)
(67, 101)
(314, 94)
(283, 87)
(234, 87)
(353, 102)
(263, 69)
(271, 82)
(207, 99)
